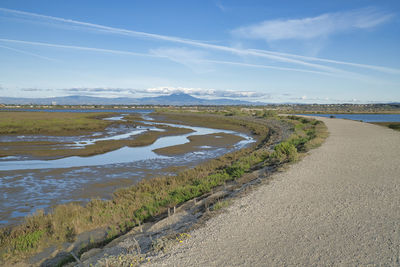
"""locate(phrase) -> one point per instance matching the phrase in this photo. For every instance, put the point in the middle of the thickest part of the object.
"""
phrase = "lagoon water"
(122, 155)
(362, 117)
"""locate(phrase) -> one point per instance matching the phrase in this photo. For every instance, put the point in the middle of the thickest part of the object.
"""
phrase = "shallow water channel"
(28, 184)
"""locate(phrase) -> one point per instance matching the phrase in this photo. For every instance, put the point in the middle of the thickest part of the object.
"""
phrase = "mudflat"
(339, 206)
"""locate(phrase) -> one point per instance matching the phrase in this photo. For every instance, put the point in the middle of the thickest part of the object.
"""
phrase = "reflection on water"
(28, 185)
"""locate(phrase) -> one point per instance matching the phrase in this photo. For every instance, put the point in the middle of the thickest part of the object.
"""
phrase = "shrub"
(285, 152)
(235, 171)
(27, 241)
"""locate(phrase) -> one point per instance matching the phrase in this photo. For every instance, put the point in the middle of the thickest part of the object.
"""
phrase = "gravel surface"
(339, 206)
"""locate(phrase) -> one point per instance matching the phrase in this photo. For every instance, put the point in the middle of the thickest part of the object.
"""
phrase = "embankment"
(340, 206)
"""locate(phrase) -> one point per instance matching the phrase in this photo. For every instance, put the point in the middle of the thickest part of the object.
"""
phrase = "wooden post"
(140, 227)
(174, 209)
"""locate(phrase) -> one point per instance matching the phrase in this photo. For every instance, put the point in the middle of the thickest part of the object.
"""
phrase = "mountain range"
(179, 99)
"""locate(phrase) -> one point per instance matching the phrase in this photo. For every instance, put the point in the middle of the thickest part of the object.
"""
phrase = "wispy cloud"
(313, 27)
(113, 30)
(317, 26)
(220, 6)
(365, 66)
(175, 54)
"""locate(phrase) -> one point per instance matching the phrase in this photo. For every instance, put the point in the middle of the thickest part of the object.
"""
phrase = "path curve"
(339, 206)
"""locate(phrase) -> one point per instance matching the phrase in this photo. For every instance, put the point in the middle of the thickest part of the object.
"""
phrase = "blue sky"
(270, 51)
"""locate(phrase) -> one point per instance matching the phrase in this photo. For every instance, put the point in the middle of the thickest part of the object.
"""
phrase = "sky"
(333, 51)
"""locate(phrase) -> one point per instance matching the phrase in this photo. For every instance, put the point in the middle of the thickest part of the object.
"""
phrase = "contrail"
(366, 66)
(28, 53)
(111, 51)
(283, 57)
(246, 52)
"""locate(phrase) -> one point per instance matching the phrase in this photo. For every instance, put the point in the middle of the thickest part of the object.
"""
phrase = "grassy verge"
(135, 204)
(391, 125)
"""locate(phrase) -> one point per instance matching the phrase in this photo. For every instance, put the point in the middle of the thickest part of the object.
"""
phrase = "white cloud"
(162, 90)
(313, 27)
(204, 92)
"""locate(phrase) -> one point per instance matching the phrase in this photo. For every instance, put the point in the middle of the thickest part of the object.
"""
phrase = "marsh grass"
(55, 123)
(149, 198)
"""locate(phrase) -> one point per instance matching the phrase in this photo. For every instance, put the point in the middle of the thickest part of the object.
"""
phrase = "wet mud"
(29, 183)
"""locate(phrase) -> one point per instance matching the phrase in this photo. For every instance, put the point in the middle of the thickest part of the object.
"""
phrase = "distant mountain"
(179, 99)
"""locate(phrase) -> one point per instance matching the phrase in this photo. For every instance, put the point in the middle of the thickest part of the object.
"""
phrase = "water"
(362, 117)
(122, 155)
(30, 184)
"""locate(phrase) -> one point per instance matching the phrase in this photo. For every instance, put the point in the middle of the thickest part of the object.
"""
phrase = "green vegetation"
(285, 152)
(27, 241)
(391, 125)
(148, 198)
(55, 123)
(220, 205)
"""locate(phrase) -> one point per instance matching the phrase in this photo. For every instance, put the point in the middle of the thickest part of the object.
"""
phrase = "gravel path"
(339, 206)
